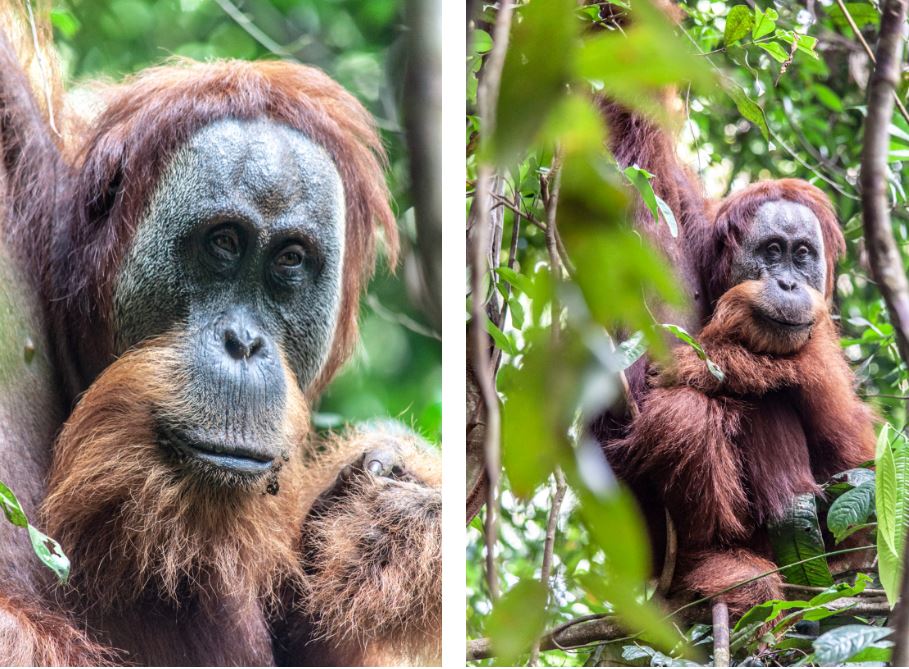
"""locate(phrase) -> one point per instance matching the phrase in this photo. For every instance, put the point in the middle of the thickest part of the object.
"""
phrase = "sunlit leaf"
(764, 22)
(739, 23)
(892, 466)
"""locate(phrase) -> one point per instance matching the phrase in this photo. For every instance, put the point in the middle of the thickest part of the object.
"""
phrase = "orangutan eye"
(291, 257)
(225, 243)
(774, 251)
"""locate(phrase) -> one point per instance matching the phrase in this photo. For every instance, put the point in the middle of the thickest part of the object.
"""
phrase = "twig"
(546, 570)
(861, 38)
(720, 635)
(487, 99)
(253, 30)
(403, 320)
(883, 253)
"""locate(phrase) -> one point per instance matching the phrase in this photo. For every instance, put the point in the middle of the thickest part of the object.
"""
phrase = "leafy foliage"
(768, 91)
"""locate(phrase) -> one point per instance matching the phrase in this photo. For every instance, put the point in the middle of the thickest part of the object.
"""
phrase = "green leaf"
(797, 536)
(841, 643)
(47, 550)
(892, 465)
(775, 50)
(535, 75)
(749, 109)
(851, 508)
(668, 216)
(11, 507)
(50, 553)
(682, 334)
(482, 41)
(502, 340)
(65, 22)
(633, 348)
(517, 281)
(640, 179)
(739, 23)
(517, 312)
(847, 480)
(517, 619)
(764, 22)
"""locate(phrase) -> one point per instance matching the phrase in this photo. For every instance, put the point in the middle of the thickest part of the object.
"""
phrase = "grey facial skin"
(784, 244)
(242, 246)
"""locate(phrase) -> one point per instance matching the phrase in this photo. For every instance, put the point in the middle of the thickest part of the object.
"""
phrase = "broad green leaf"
(841, 643)
(517, 312)
(749, 109)
(517, 619)
(536, 72)
(481, 42)
(806, 43)
(50, 553)
(851, 508)
(797, 536)
(502, 340)
(892, 465)
(517, 280)
(764, 22)
(739, 23)
(775, 50)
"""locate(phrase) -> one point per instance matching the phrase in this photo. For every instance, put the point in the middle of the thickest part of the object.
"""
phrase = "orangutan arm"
(371, 551)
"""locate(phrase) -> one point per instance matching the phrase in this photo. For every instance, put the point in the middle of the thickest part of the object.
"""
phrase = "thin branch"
(720, 635)
(479, 267)
(252, 29)
(546, 570)
(883, 252)
(861, 38)
(403, 320)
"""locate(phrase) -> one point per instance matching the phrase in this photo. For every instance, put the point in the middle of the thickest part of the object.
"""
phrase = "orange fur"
(130, 522)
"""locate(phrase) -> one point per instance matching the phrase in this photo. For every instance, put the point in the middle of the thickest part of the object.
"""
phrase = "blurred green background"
(396, 371)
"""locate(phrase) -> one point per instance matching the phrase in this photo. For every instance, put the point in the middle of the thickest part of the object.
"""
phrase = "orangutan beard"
(134, 522)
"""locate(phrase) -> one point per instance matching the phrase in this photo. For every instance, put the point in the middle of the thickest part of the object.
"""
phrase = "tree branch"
(546, 570)
(480, 267)
(883, 252)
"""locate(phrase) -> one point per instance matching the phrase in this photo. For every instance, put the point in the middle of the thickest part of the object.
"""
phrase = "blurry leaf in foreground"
(536, 71)
(892, 493)
(636, 64)
(518, 618)
(616, 270)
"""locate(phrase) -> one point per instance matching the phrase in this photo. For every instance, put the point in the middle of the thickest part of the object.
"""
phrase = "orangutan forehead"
(271, 166)
(790, 220)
